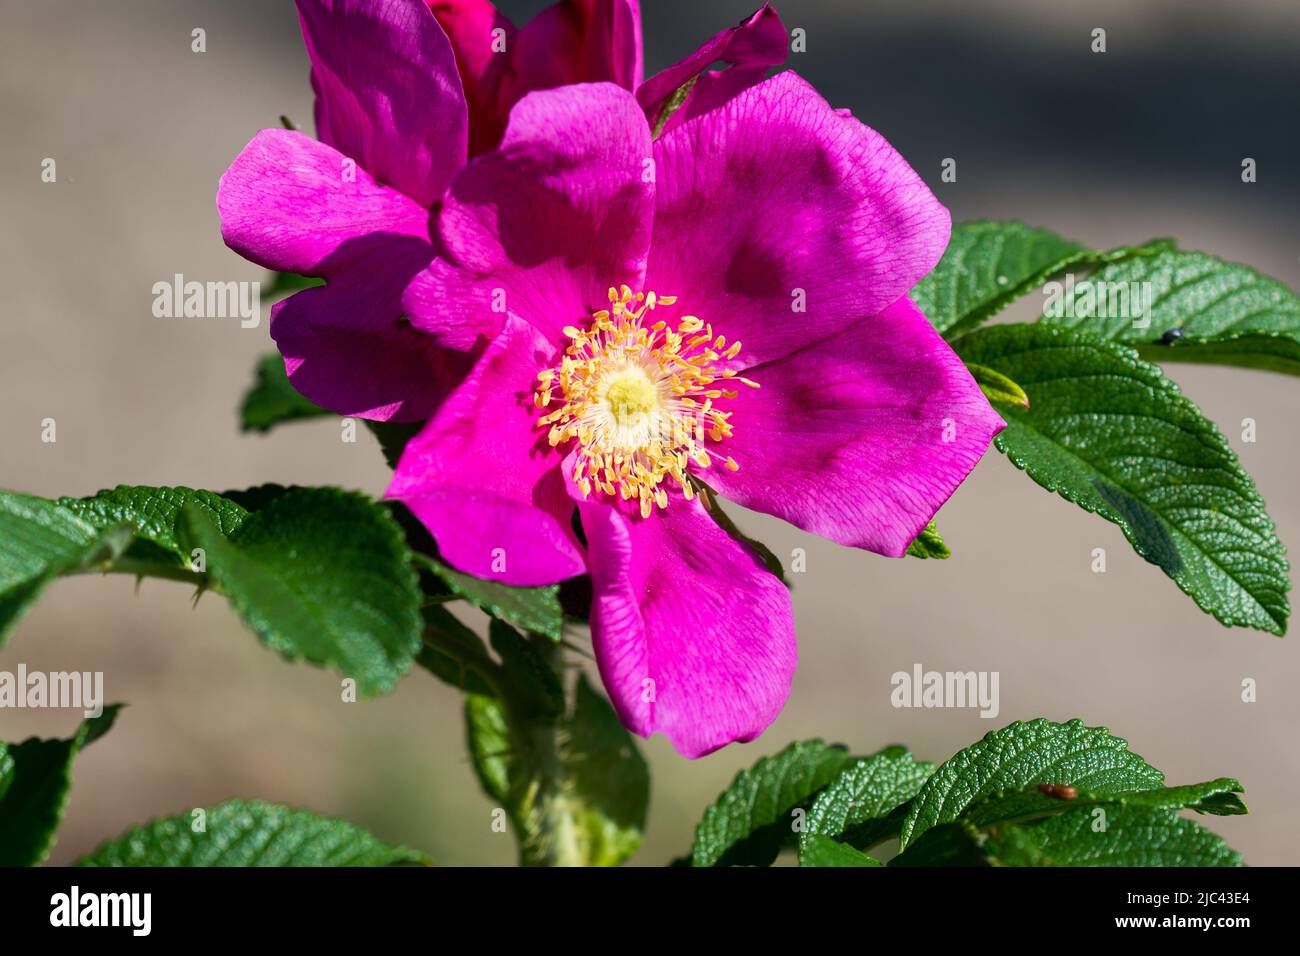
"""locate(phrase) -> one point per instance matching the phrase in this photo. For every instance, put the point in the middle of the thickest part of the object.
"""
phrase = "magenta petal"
(482, 478)
(579, 41)
(471, 27)
(612, 46)
(387, 90)
(347, 348)
(859, 438)
(619, 60)
(546, 224)
(455, 308)
(694, 637)
(285, 204)
(573, 41)
(291, 203)
(751, 49)
(781, 221)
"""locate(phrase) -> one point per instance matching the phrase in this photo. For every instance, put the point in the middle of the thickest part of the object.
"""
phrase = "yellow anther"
(637, 399)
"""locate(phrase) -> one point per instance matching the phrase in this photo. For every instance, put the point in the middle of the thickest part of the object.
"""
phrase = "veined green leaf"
(453, 653)
(1109, 432)
(273, 400)
(929, 544)
(323, 575)
(950, 844)
(819, 850)
(153, 512)
(1216, 797)
(1024, 754)
(35, 777)
(39, 540)
(751, 820)
(319, 574)
(997, 387)
(861, 806)
(1111, 836)
(991, 263)
(530, 609)
(1189, 307)
(249, 833)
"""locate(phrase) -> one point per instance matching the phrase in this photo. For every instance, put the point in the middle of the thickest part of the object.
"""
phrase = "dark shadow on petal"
(353, 344)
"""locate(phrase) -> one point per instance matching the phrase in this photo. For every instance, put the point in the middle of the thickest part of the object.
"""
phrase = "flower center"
(638, 397)
(631, 395)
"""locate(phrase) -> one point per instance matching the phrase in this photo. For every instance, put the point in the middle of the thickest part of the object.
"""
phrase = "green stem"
(147, 569)
(555, 840)
(518, 739)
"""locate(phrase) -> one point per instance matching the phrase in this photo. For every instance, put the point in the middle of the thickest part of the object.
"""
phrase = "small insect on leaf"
(1172, 336)
(1058, 791)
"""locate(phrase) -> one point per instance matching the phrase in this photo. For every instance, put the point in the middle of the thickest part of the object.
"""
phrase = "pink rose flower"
(355, 207)
(724, 306)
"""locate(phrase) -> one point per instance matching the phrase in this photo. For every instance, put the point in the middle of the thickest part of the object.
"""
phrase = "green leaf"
(997, 387)
(862, 805)
(1025, 754)
(751, 820)
(273, 400)
(153, 513)
(949, 844)
(257, 497)
(1027, 828)
(392, 438)
(1217, 797)
(453, 653)
(498, 760)
(929, 544)
(282, 283)
(576, 789)
(1112, 434)
(534, 688)
(249, 833)
(1194, 308)
(675, 101)
(991, 263)
(143, 530)
(1119, 836)
(819, 850)
(611, 781)
(323, 575)
(530, 609)
(39, 540)
(35, 777)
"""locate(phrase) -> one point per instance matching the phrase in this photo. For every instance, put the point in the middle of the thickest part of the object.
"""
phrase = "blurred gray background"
(1144, 140)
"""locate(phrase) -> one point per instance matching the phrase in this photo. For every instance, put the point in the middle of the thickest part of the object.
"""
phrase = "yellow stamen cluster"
(639, 399)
